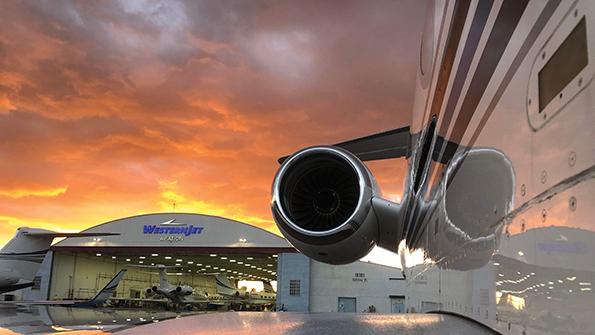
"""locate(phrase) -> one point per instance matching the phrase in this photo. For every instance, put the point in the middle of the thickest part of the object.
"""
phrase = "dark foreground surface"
(232, 323)
(57, 319)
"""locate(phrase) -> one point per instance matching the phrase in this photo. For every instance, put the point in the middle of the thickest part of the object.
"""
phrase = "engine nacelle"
(322, 203)
(9, 277)
(154, 288)
(184, 290)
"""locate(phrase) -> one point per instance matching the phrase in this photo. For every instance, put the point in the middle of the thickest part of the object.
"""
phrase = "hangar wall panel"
(62, 273)
(369, 284)
(91, 274)
(424, 293)
(44, 273)
(293, 267)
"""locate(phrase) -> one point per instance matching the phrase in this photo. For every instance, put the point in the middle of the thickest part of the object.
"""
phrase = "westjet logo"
(172, 228)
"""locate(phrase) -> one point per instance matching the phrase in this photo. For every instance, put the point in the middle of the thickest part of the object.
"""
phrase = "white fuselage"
(505, 204)
(21, 258)
(500, 184)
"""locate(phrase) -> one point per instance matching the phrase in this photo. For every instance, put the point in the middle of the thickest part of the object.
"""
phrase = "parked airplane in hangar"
(98, 300)
(228, 294)
(177, 294)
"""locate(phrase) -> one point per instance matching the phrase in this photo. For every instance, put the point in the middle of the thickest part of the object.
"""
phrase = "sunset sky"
(114, 108)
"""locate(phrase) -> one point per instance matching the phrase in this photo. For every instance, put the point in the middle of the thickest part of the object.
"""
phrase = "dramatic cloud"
(115, 108)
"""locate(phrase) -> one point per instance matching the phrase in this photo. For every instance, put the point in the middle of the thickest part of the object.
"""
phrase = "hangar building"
(199, 246)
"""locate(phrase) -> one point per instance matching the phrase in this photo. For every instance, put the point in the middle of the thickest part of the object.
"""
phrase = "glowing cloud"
(21, 193)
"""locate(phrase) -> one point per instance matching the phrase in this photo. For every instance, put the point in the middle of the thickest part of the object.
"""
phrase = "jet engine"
(323, 203)
(9, 277)
(184, 290)
(154, 288)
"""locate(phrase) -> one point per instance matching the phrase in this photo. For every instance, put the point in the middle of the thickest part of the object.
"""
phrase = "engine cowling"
(154, 288)
(322, 203)
(179, 289)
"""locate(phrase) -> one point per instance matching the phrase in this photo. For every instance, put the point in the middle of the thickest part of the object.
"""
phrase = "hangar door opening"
(79, 275)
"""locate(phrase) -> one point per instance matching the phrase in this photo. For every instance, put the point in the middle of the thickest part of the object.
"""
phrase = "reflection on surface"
(552, 270)
(476, 190)
(539, 281)
(52, 319)
(316, 323)
(531, 272)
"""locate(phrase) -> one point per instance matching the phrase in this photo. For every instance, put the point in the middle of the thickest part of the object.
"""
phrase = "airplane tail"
(25, 252)
(268, 288)
(163, 282)
(28, 247)
(108, 291)
(161, 269)
(225, 286)
(23, 243)
(34, 240)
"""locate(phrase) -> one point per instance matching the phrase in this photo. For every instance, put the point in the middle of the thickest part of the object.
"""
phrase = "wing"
(50, 303)
(393, 143)
(311, 323)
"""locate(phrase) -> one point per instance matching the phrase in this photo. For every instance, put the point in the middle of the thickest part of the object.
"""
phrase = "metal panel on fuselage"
(530, 268)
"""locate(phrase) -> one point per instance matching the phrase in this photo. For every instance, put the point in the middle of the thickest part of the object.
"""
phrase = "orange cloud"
(172, 200)
(21, 193)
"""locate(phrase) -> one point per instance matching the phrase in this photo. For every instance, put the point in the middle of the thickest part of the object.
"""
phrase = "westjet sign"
(172, 228)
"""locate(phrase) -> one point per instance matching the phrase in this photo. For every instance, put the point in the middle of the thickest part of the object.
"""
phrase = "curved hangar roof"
(179, 230)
